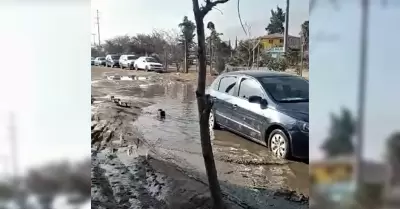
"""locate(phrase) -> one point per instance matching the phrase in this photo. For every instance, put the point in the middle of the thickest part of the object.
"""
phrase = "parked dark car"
(267, 107)
(112, 60)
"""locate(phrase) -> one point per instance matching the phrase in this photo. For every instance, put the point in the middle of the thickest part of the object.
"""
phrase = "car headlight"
(303, 126)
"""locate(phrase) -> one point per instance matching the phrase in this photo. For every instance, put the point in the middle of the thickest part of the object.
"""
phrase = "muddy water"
(178, 134)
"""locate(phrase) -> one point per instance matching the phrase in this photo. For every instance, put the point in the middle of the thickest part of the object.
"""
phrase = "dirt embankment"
(128, 171)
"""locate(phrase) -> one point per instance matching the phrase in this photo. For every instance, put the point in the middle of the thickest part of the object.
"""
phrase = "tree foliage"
(48, 181)
(339, 141)
(163, 45)
(292, 57)
(276, 21)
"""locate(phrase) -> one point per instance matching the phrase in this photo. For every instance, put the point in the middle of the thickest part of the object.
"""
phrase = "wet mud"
(142, 161)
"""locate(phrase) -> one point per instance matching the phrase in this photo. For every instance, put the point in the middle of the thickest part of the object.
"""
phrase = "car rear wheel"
(279, 144)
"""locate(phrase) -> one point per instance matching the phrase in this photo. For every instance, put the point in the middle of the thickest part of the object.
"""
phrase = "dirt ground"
(141, 161)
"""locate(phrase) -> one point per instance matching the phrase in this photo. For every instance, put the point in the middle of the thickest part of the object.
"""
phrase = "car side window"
(227, 85)
(249, 87)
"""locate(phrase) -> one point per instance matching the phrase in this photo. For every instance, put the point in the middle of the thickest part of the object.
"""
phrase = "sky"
(45, 80)
(120, 17)
(334, 68)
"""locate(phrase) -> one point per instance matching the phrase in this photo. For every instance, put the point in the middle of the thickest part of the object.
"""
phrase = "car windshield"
(286, 89)
(131, 57)
(150, 59)
(115, 57)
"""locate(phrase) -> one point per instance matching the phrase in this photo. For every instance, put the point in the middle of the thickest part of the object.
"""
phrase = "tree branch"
(209, 5)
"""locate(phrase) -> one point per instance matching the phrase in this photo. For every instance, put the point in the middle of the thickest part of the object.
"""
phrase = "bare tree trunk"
(204, 107)
(186, 68)
(211, 54)
(165, 60)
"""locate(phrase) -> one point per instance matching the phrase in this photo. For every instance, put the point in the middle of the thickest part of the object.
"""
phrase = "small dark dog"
(161, 114)
(111, 98)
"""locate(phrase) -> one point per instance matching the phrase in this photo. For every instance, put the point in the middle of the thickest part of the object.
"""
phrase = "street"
(122, 137)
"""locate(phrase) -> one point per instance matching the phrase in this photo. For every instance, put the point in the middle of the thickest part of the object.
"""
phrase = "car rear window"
(227, 84)
(131, 57)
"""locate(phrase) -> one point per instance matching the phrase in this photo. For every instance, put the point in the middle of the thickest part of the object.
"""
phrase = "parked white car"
(127, 60)
(148, 64)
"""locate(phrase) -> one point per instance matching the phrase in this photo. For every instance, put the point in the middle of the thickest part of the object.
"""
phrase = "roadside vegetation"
(178, 46)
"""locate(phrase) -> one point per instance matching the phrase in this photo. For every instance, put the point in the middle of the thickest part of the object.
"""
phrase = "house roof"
(276, 35)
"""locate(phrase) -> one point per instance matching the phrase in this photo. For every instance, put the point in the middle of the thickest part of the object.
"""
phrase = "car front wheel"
(211, 121)
(279, 144)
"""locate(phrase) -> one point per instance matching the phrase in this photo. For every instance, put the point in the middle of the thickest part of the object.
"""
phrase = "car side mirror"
(255, 99)
(259, 100)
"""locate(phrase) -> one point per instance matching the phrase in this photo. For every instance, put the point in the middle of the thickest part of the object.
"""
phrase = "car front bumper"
(157, 68)
(300, 144)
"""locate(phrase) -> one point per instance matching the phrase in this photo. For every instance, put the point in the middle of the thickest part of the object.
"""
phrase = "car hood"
(299, 110)
(154, 63)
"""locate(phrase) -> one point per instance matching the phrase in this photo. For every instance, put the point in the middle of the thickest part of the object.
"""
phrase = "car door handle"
(234, 106)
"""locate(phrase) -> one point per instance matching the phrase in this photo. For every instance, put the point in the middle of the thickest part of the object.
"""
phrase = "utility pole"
(361, 92)
(286, 35)
(94, 39)
(98, 26)
(13, 143)
(18, 194)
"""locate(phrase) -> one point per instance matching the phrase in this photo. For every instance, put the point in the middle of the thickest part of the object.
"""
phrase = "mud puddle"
(239, 161)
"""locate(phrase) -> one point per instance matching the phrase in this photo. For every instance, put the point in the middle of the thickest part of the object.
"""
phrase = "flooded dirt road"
(247, 170)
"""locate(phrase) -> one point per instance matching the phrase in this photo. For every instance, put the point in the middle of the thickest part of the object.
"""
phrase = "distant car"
(92, 61)
(148, 64)
(112, 60)
(126, 61)
(100, 61)
(267, 107)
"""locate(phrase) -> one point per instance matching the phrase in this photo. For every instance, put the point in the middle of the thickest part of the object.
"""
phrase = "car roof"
(258, 73)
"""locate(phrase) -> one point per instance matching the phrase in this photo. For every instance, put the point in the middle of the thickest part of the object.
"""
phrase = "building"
(273, 43)
(334, 176)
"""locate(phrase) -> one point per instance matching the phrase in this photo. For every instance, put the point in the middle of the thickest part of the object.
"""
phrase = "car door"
(249, 116)
(223, 98)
